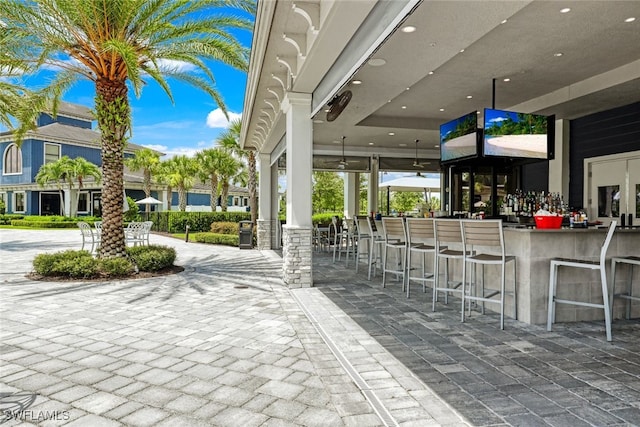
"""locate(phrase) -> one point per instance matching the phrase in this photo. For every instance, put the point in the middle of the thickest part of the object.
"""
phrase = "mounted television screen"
(519, 135)
(458, 138)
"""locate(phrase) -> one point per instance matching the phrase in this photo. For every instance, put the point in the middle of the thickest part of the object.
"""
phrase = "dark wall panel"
(608, 132)
(535, 176)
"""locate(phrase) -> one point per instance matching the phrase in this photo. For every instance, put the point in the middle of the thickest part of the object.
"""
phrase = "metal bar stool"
(486, 234)
(420, 241)
(395, 240)
(377, 247)
(631, 261)
(599, 265)
(363, 238)
(446, 233)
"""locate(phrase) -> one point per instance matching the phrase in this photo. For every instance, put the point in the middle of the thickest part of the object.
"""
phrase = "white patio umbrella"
(149, 201)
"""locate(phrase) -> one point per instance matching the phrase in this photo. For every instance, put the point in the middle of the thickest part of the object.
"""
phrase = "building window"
(245, 202)
(19, 205)
(235, 201)
(12, 160)
(83, 203)
(51, 153)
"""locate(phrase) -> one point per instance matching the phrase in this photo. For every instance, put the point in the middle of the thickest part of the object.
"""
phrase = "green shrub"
(116, 267)
(224, 227)
(6, 219)
(133, 214)
(201, 221)
(217, 239)
(70, 263)
(324, 218)
(43, 224)
(152, 257)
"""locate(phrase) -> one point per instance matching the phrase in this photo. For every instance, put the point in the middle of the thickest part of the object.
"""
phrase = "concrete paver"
(226, 343)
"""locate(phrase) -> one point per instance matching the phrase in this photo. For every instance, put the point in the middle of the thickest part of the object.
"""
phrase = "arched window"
(12, 160)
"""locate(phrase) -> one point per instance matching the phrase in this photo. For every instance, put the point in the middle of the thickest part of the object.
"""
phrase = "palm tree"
(58, 172)
(163, 173)
(229, 139)
(81, 168)
(182, 177)
(210, 161)
(146, 160)
(115, 43)
(230, 169)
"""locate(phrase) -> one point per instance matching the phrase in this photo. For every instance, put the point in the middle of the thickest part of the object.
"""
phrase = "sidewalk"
(224, 343)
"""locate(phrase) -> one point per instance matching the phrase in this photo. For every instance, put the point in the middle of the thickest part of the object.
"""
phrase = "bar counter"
(534, 249)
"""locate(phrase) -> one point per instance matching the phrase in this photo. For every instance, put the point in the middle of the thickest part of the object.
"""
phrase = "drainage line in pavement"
(370, 394)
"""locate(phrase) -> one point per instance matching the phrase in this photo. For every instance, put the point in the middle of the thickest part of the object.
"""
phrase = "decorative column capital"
(295, 98)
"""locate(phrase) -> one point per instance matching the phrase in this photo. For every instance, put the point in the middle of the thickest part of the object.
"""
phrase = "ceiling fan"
(416, 162)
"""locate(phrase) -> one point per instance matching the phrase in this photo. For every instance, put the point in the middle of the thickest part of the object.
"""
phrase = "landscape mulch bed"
(174, 269)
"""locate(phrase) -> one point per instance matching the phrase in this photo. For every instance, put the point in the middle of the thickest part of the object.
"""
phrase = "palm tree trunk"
(112, 110)
(214, 192)
(253, 199)
(169, 197)
(146, 186)
(182, 198)
(225, 193)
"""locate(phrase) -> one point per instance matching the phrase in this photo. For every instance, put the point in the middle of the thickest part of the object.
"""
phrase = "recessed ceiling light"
(565, 10)
(506, 79)
(469, 96)
(318, 121)
(376, 62)
(326, 110)
(630, 19)
(436, 146)
(404, 107)
(557, 54)
(430, 73)
(388, 100)
(504, 21)
(408, 88)
(356, 82)
(402, 145)
(442, 109)
(408, 29)
(336, 141)
(477, 112)
(461, 50)
(391, 133)
(371, 143)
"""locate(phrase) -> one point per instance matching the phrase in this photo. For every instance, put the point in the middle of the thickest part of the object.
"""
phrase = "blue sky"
(190, 124)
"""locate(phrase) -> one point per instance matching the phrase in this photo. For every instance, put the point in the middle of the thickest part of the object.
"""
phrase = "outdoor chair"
(98, 226)
(135, 233)
(377, 247)
(147, 230)
(421, 242)
(447, 233)
(599, 265)
(395, 240)
(362, 239)
(88, 236)
(486, 234)
(631, 261)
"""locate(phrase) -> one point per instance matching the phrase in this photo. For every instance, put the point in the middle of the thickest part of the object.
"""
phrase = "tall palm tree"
(163, 174)
(147, 161)
(210, 161)
(230, 140)
(115, 43)
(182, 177)
(230, 169)
(81, 168)
(58, 172)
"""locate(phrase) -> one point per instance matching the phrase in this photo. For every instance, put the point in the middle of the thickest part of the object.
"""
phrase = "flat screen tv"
(518, 135)
(458, 138)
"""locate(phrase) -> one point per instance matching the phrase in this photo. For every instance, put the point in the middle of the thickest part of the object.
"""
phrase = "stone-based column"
(296, 234)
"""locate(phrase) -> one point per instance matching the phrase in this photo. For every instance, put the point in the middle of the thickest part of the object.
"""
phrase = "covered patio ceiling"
(543, 59)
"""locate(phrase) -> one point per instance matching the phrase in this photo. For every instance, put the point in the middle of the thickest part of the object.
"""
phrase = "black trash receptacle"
(245, 230)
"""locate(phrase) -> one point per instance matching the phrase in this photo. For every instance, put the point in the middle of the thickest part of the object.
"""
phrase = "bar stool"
(420, 241)
(447, 232)
(631, 261)
(395, 239)
(377, 247)
(599, 265)
(362, 237)
(486, 233)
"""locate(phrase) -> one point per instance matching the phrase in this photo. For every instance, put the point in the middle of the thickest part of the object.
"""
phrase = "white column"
(559, 167)
(68, 200)
(276, 235)
(296, 234)
(372, 192)
(265, 217)
(351, 193)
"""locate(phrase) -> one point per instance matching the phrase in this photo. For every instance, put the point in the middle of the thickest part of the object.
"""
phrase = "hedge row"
(201, 221)
(43, 224)
(6, 219)
(216, 239)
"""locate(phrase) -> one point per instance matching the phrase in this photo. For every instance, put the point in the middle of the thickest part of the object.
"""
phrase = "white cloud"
(498, 119)
(173, 151)
(175, 66)
(217, 119)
